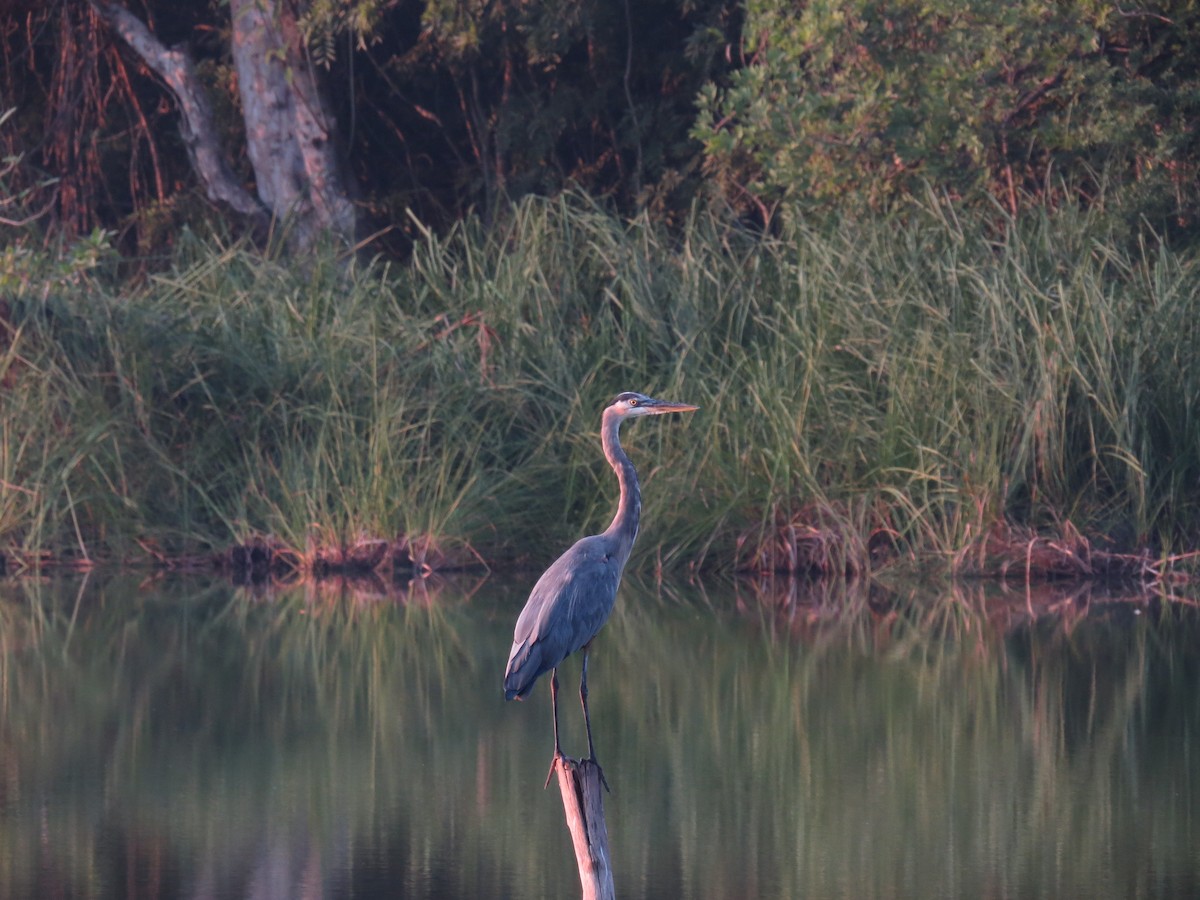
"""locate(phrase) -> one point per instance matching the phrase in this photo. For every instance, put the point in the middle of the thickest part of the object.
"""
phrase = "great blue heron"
(572, 600)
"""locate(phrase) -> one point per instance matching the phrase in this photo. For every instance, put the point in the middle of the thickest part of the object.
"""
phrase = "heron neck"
(624, 525)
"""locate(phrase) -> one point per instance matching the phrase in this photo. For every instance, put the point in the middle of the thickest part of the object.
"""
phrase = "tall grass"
(869, 390)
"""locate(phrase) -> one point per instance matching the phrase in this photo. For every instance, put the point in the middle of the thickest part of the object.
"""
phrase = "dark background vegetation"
(442, 108)
(452, 106)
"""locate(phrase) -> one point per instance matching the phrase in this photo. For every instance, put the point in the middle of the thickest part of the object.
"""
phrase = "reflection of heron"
(573, 598)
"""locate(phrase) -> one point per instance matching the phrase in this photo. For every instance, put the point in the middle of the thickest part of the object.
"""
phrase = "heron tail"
(521, 673)
(515, 687)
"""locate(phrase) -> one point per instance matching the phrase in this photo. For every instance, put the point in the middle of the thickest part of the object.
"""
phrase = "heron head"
(631, 404)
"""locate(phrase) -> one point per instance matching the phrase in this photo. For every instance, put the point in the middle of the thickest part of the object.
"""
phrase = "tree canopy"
(861, 102)
(442, 107)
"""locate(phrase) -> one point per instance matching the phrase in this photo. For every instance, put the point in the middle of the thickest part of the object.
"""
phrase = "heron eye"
(633, 401)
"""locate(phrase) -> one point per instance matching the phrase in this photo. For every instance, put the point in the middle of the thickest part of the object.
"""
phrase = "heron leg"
(583, 695)
(587, 721)
(554, 705)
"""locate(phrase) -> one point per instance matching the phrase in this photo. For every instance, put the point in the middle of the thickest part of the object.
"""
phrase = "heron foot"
(559, 757)
(599, 771)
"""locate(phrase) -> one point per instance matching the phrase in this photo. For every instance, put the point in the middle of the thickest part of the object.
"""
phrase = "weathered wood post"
(579, 781)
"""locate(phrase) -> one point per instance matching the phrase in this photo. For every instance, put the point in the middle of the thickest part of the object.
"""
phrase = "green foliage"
(857, 103)
(924, 378)
(24, 268)
(61, 471)
(324, 21)
(449, 106)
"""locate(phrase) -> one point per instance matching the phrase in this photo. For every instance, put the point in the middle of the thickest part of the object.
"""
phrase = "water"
(192, 740)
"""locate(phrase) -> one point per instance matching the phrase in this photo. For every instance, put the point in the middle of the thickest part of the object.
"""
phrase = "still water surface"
(195, 740)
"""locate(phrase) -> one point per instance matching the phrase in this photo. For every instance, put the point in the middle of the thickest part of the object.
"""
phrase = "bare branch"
(174, 66)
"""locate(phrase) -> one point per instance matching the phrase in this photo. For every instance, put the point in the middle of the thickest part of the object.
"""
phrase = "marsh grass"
(873, 393)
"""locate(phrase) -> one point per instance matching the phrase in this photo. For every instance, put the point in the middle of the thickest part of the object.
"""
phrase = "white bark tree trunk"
(289, 128)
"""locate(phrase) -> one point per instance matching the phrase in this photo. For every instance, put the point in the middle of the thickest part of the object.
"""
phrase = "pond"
(163, 739)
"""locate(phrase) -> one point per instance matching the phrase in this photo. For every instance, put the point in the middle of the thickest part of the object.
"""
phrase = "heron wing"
(566, 608)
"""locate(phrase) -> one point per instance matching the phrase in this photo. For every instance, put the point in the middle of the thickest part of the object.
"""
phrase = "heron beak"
(657, 407)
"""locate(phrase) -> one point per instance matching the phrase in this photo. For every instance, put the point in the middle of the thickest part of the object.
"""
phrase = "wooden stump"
(583, 801)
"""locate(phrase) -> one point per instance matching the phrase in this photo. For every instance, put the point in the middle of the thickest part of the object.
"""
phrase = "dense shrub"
(860, 103)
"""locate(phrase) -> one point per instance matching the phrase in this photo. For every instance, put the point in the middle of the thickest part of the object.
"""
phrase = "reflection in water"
(188, 740)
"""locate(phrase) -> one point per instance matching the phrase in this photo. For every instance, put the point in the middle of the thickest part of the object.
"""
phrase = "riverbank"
(984, 398)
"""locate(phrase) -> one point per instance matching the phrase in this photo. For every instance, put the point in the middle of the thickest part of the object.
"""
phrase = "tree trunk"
(289, 129)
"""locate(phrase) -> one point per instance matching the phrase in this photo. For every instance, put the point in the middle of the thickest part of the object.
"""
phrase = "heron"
(573, 599)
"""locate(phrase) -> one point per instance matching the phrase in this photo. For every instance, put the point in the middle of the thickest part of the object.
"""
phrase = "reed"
(872, 393)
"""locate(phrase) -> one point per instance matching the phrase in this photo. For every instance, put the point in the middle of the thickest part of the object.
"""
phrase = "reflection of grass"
(874, 760)
(901, 747)
(207, 717)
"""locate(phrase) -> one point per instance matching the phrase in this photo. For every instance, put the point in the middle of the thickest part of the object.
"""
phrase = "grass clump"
(871, 392)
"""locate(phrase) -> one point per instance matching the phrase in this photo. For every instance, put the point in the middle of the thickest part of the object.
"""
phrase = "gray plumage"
(573, 599)
(567, 607)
